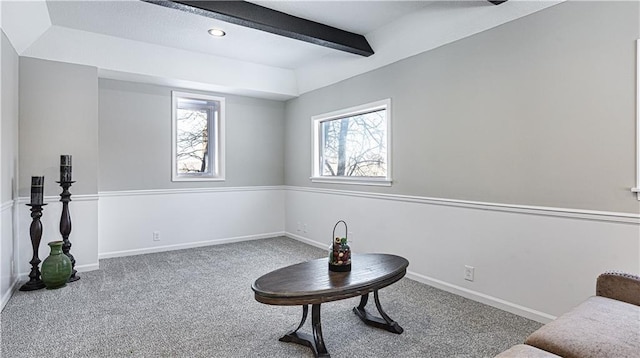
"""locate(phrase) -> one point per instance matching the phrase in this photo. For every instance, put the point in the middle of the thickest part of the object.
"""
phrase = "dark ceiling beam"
(497, 2)
(261, 18)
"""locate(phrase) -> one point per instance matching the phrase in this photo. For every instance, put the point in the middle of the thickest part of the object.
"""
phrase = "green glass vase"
(56, 269)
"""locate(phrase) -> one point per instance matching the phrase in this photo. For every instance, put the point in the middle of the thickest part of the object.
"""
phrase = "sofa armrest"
(619, 286)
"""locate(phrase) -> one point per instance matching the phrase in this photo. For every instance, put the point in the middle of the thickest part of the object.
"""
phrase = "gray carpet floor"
(199, 303)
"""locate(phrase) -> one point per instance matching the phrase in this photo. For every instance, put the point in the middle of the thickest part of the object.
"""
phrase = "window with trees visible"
(351, 146)
(198, 137)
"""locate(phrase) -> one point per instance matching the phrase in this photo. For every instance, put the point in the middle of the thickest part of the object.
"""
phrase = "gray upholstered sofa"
(606, 325)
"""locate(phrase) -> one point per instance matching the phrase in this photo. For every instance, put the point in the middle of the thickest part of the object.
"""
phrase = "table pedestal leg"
(385, 322)
(315, 342)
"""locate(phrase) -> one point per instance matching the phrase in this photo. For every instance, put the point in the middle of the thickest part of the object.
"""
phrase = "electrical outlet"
(468, 272)
(299, 227)
(156, 236)
(304, 228)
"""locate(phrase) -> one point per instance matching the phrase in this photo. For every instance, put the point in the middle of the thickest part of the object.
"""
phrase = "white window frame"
(217, 151)
(637, 188)
(316, 124)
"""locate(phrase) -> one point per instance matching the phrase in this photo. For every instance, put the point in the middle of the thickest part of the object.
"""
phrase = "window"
(198, 137)
(351, 146)
(637, 188)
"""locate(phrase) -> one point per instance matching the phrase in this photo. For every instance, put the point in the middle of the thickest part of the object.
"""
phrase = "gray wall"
(539, 111)
(9, 122)
(135, 139)
(58, 115)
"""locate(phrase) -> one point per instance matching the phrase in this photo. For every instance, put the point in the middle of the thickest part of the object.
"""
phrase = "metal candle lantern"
(339, 251)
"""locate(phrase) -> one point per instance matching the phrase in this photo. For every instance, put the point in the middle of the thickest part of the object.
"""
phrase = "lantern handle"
(346, 230)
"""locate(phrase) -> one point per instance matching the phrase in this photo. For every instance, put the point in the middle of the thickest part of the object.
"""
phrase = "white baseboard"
(7, 296)
(457, 290)
(88, 267)
(24, 276)
(306, 240)
(482, 298)
(149, 250)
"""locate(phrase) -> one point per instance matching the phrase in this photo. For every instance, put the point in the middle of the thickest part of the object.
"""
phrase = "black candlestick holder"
(35, 282)
(65, 226)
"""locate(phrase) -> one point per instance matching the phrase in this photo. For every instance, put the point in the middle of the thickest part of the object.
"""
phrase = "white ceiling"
(135, 40)
(145, 22)
(360, 17)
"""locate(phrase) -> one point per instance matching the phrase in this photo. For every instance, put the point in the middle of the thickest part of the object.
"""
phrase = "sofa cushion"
(523, 350)
(599, 327)
(619, 286)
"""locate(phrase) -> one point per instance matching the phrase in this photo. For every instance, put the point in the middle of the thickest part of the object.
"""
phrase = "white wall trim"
(483, 298)
(6, 205)
(187, 191)
(24, 276)
(7, 296)
(457, 290)
(88, 267)
(189, 245)
(637, 188)
(56, 198)
(521, 209)
(306, 240)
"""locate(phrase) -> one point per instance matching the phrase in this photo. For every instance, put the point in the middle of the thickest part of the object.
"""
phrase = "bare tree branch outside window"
(192, 140)
(352, 145)
(197, 137)
(355, 146)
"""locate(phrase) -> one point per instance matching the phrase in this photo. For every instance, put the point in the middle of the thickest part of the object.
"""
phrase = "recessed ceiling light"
(216, 32)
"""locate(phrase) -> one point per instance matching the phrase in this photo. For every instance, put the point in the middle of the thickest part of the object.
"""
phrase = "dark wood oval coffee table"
(311, 283)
